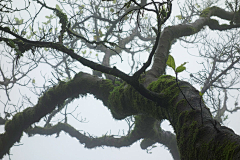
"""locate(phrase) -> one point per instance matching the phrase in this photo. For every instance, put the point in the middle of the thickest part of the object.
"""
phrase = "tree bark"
(198, 135)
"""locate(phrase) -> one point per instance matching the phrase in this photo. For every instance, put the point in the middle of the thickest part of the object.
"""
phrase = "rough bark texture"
(81, 84)
(199, 136)
(195, 140)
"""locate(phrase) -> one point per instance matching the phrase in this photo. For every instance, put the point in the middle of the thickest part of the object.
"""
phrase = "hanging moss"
(124, 100)
(63, 18)
(205, 12)
(191, 134)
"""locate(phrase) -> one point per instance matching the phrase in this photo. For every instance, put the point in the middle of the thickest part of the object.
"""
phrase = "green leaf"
(200, 93)
(23, 33)
(225, 118)
(197, 5)
(11, 43)
(111, 10)
(179, 17)
(19, 53)
(100, 33)
(81, 7)
(28, 37)
(84, 52)
(33, 81)
(171, 62)
(57, 7)
(21, 21)
(164, 13)
(181, 68)
(18, 21)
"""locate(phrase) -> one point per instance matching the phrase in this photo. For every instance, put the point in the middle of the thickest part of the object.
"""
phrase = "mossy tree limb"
(81, 84)
(193, 137)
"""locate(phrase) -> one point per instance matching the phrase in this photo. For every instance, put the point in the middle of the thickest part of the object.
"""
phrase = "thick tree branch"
(174, 32)
(48, 102)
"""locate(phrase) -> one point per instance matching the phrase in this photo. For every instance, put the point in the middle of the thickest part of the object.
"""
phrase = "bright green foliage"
(171, 62)
(18, 22)
(124, 100)
(111, 10)
(181, 68)
(205, 12)
(58, 8)
(179, 17)
(11, 43)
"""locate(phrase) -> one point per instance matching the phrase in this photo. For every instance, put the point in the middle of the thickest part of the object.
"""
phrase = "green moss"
(124, 100)
(162, 82)
(63, 18)
(224, 24)
(187, 135)
(18, 121)
(15, 124)
(223, 151)
(226, 150)
(144, 125)
(117, 82)
(205, 12)
(181, 102)
(194, 30)
(107, 83)
(191, 135)
(105, 86)
(116, 101)
(167, 85)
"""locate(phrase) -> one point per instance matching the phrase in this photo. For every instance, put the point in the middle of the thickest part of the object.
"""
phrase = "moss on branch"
(124, 100)
(81, 84)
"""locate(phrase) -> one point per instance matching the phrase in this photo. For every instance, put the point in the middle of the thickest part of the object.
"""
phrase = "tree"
(146, 95)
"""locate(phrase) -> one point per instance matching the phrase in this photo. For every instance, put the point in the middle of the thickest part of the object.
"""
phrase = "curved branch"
(48, 102)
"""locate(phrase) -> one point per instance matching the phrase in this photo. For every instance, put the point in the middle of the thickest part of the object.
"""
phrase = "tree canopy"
(83, 47)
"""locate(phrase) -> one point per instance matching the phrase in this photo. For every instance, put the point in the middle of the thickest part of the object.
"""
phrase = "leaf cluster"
(171, 63)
